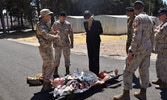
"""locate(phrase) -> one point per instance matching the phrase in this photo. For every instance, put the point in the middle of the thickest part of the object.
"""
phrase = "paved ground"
(19, 61)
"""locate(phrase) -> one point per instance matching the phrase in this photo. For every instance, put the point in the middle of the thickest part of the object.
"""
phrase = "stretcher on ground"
(67, 92)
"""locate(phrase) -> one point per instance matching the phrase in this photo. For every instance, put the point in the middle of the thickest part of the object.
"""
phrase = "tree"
(2, 16)
(29, 12)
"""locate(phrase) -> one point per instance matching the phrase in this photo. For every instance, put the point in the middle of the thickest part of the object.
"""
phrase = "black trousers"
(93, 55)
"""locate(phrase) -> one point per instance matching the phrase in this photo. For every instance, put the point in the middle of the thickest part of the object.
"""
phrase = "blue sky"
(165, 1)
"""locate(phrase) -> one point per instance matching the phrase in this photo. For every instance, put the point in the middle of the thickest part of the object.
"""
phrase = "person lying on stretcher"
(81, 81)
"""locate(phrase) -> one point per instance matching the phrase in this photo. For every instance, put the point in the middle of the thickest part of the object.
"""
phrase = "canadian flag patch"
(135, 24)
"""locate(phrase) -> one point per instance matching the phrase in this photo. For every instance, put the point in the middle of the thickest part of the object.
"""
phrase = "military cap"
(87, 14)
(162, 11)
(139, 2)
(62, 13)
(129, 9)
(45, 12)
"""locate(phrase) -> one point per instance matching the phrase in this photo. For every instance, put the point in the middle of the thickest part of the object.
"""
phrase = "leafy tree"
(2, 2)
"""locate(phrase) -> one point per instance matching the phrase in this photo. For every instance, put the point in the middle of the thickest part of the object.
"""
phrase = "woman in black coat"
(93, 30)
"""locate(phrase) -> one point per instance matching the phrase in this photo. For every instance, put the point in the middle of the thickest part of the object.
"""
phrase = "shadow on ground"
(136, 82)
(163, 94)
(100, 88)
(43, 95)
(18, 34)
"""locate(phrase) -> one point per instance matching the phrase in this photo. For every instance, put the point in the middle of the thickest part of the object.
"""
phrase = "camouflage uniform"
(63, 44)
(45, 38)
(129, 34)
(141, 47)
(161, 50)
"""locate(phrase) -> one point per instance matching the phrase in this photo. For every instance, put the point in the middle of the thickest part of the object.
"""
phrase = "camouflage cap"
(45, 12)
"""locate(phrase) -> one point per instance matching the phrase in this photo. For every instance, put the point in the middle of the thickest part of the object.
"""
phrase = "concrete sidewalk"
(115, 49)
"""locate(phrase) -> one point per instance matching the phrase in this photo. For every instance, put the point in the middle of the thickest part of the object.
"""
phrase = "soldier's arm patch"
(135, 23)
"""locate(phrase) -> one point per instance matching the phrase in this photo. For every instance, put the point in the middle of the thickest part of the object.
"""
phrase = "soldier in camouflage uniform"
(139, 54)
(131, 15)
(45, 38)
(161, 50)
(63, 44)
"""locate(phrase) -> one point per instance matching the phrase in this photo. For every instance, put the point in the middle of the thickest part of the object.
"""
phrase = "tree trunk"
(3, 22)
(18, 20)
(21, 16)
(31, 21)
(38, 9)
(69, 7)
(11, 21)
(7, 21)
(32, 25)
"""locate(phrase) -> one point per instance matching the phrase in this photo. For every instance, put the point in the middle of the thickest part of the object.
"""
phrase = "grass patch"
(79, 38)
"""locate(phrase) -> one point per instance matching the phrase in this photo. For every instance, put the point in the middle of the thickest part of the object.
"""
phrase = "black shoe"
(56, 76)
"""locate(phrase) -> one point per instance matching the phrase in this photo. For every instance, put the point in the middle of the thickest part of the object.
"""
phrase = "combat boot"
(67, 70)
(46, 86)
(124, 96)
(157, 82)
(56, 75)
(161, 86)
(141, 95)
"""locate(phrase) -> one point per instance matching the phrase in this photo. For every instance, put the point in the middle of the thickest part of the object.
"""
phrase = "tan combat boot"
(46, 85)
(141, 95)
(124, 96)
(161, 86)
(157, 82)
(67, 70)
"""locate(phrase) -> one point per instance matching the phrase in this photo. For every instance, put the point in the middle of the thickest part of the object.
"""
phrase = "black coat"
(93, 36)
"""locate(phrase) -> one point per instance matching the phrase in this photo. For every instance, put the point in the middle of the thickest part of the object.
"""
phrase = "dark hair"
(138, 6)
(87, 14)
(62, 13)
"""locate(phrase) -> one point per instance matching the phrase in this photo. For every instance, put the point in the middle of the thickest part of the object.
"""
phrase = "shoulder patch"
(135, 24)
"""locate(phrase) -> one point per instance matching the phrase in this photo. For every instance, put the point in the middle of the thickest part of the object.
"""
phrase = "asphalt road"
(17, 61)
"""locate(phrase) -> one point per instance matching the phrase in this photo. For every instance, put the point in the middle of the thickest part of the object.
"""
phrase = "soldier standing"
(160, 49)
(63, 44)
(45, 38)
(139, 54)
(131, 15)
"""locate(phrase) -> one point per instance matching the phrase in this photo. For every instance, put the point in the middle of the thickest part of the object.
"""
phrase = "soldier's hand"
(130, 57)
(71, 46)
(57, 32)
(57, 36)
(54, 46)
(156, 31)
(71, 30)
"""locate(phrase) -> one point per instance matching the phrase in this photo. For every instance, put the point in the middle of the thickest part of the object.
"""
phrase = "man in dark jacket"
(93, 30)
